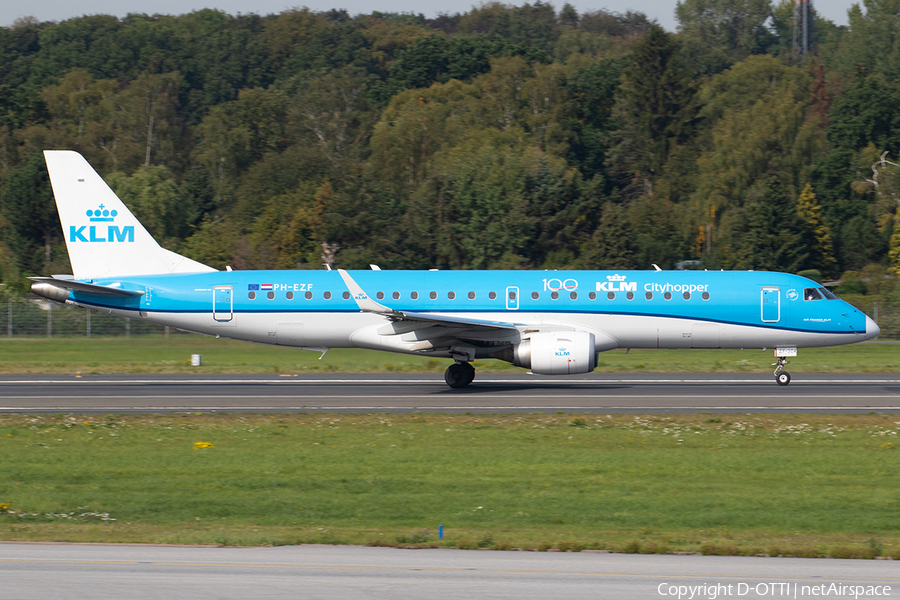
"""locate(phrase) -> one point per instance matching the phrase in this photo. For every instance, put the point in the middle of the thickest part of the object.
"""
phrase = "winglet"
(365, 303)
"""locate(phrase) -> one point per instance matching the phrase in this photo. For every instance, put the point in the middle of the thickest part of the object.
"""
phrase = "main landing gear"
(459, 374)
(782, 377)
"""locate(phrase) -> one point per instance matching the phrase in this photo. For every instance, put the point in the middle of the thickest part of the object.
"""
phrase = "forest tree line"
(504, 137)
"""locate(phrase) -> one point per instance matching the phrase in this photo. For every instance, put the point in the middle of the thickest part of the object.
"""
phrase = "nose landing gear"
(459, 374)
(782, 377)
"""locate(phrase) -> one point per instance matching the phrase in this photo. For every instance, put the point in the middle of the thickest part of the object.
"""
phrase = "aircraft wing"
(443, 319)
(366, 304)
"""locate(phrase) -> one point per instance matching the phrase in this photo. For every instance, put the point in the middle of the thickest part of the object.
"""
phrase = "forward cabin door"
(770, 304)
(222, 303)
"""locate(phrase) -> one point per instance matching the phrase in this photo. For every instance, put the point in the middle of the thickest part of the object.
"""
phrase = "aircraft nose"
(872, 328)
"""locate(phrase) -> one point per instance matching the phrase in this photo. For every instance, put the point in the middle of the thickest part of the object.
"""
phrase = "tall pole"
(802, 34)
(50, 320)
(9, 325)
(89, 322)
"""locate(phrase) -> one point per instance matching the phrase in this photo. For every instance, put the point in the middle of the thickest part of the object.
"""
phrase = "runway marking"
(434, 408)
(468, 570)
(300, 382)
(692, 397)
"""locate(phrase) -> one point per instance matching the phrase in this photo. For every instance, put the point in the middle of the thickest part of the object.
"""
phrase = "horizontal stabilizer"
(87, 288)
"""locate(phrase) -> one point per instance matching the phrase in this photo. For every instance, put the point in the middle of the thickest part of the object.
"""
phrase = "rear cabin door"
(771, 304)
(222, 303)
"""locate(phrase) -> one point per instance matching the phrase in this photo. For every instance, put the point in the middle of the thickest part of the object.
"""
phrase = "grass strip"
(157, 354)
(798, 485)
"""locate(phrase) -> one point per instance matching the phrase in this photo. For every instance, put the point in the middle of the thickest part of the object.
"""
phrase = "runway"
(50, 572)
(491, 393)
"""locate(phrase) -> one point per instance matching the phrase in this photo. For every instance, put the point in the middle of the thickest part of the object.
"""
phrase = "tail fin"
(103, 238)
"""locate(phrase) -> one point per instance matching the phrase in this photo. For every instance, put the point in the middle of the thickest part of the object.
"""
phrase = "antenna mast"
(802, 27)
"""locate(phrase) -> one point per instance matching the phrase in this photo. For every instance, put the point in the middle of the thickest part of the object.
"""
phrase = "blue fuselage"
(636, 308)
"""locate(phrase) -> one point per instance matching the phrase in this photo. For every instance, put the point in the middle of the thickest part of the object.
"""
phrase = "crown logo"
(616, 277)
(102, 214)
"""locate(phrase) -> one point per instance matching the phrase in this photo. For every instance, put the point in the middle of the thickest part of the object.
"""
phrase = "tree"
(654, 108)
(762, 143)
(152, 195)
(769, 235)
(593, 88)
(28, 206)
(468, 213)
(150, 105)
(870, 43)
(738, 27)
(821, 251)
(609, 246)
(333, 110)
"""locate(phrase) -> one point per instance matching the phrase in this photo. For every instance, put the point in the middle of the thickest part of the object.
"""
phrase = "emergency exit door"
(512, 298)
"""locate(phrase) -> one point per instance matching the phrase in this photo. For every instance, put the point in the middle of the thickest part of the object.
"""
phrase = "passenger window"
(433, 295)
(290, 295)
(346, 295)
(667, 295)
(492, 295)
(512, 295)
(396, 295)
(554, 295)
(574, 295)
(451, 295)
(308, 295)
(380, 295)
(328, 295)
(535, 295)
(648, 295)
(252, 295)
(611, 295)
(414, 295)
(686, 295)
(630, 295)
(592, 295)
(705, 295)
(270, 295)
(811, 294)
(471, 295)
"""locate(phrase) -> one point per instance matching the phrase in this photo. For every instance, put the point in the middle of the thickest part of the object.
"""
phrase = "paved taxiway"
(520, 392)
(48, 572)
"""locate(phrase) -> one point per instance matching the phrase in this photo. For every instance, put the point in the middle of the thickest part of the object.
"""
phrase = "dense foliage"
(505, 137)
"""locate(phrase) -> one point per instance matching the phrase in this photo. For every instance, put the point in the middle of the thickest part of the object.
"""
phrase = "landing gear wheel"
(459, 375)
(782, 377)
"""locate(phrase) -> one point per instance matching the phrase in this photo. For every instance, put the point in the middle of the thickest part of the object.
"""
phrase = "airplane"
(551, 322)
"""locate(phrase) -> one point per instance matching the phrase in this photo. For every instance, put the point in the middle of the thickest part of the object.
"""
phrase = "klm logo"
(109, 233)
(562, 352)
(616, 283)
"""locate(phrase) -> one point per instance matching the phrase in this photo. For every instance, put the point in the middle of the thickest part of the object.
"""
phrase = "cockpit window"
(811, 294)
(828, 293)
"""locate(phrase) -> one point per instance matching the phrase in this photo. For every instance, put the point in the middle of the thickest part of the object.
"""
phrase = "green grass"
(172, 355)
(812, 485)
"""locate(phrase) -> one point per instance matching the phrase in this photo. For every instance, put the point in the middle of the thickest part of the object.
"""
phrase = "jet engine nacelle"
(557, 353)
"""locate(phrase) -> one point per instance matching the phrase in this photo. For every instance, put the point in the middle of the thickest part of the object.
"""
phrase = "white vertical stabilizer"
(103, 238)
